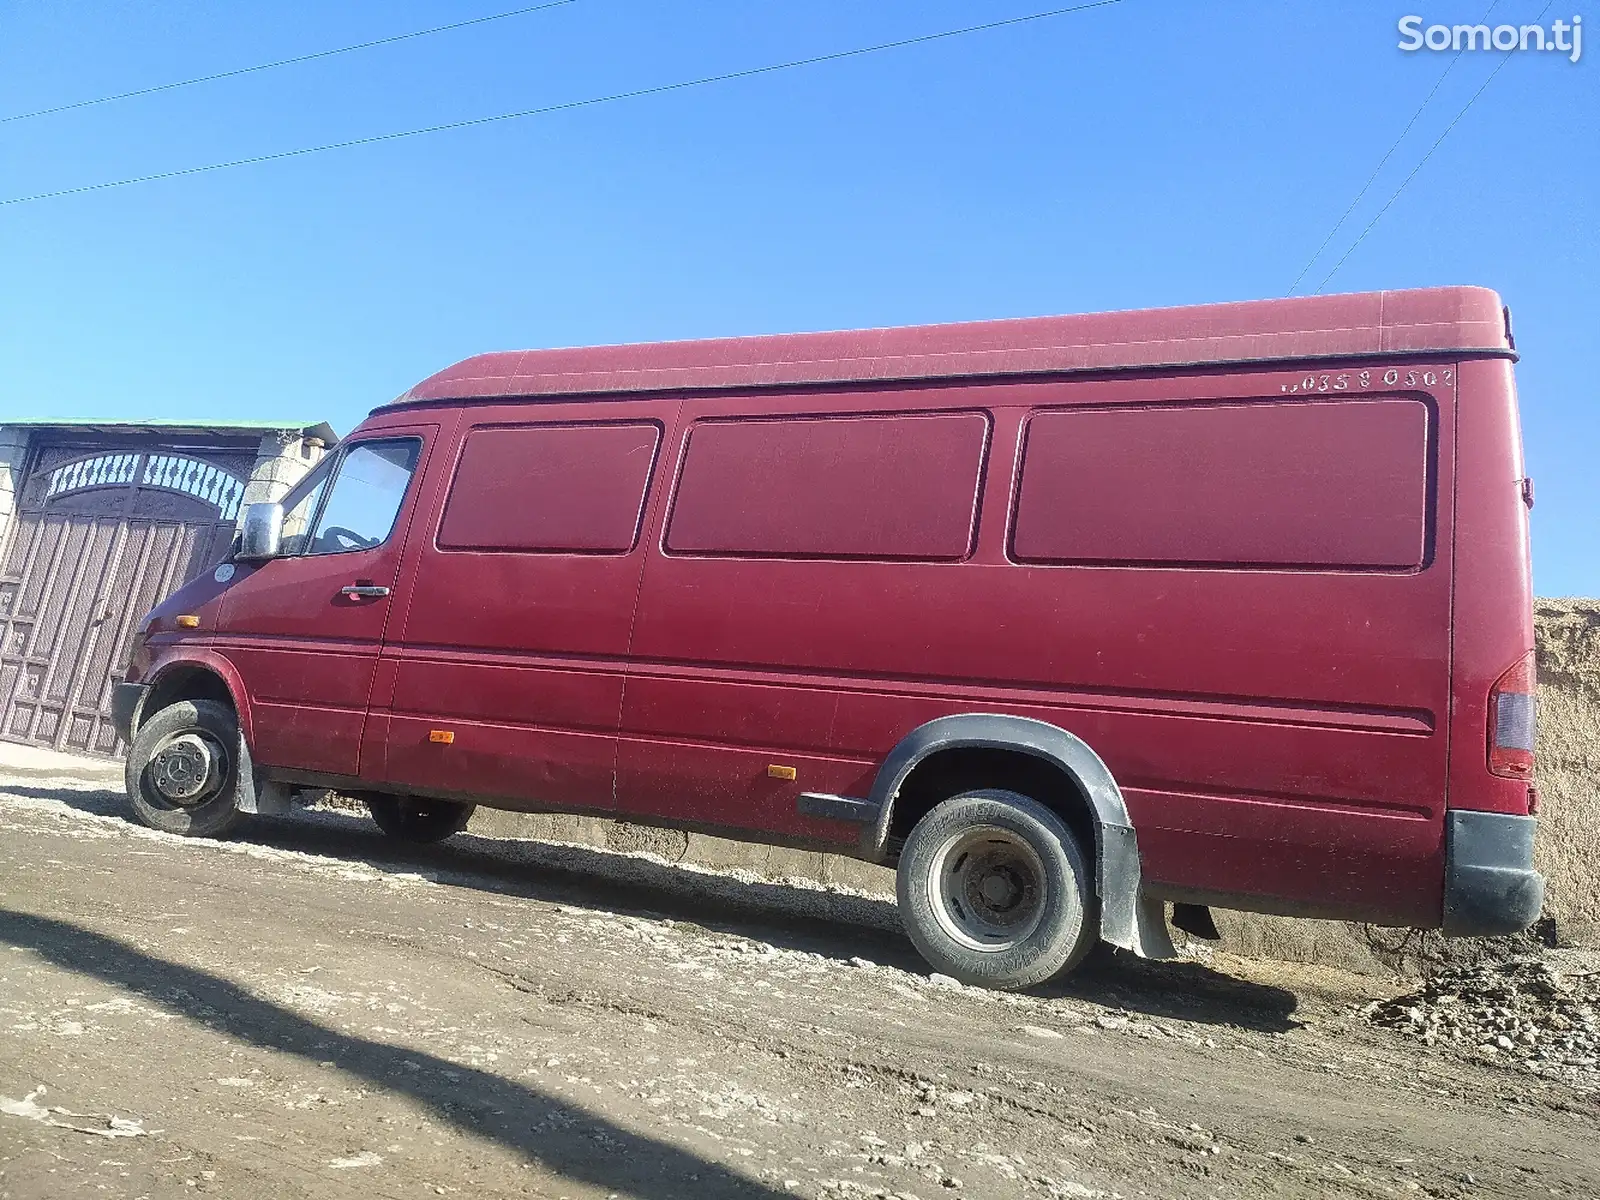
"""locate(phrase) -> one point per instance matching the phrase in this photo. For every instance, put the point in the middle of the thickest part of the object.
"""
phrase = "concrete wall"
(13, 456)
(282, 461)
(1568, 850)
(1568, 764)
(673, 845)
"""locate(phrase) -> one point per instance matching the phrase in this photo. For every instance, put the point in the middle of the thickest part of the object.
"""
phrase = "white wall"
(13, 454)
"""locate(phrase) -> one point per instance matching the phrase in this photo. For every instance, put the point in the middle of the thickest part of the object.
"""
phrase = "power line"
(1371, 179)
(282, 62)
(1384, 161)
(1361, 237)
(1424, 159)
(566, 106)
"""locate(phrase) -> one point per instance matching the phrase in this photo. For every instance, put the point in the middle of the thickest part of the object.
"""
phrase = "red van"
(1067, 617)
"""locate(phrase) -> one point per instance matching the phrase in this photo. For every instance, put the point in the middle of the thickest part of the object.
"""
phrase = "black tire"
(414, 819)
(994, 891)
(190, 742)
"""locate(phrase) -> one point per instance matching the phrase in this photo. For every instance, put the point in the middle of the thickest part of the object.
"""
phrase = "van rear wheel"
(414, 819)
(182, 769)
(994, 890)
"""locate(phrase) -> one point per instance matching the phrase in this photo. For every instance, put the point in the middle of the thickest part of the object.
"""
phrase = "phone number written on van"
(1343, 381)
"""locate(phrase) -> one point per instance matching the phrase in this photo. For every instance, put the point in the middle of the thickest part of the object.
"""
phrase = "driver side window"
(297, 514)
(363, 498)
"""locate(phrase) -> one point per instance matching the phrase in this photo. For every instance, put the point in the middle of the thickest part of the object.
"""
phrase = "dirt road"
(313, 1011)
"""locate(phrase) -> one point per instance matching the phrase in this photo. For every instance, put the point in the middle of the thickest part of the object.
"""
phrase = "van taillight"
(1511, 721)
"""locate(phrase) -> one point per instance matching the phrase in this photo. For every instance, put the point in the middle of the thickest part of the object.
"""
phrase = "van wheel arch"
(185, 681)
(948, 755)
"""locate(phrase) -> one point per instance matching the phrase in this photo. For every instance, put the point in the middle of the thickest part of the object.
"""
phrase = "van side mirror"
(261, 535)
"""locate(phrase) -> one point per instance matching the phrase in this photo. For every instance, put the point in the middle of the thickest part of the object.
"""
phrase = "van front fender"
(190, 658)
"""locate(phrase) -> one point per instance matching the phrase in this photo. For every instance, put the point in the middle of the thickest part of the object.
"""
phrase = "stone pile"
(1522, 1010)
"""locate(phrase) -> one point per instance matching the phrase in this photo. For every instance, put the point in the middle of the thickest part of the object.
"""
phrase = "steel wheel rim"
(188, 769)
(987, 887)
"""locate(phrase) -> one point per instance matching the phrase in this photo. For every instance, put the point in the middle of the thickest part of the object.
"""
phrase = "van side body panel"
(1276, 732)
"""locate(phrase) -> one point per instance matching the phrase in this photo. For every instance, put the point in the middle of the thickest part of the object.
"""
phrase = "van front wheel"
(413, 819)
(182, 771)
(993, 890)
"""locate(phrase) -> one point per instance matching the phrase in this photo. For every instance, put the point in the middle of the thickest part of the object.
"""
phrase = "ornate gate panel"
(101, 534)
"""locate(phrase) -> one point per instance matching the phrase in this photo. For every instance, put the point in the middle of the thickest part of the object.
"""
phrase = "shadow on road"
(1181, 990)
(835, 924)
(568, 1140)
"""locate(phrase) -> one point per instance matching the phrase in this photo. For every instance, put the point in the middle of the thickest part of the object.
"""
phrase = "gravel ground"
(1537, 1013)
(310, 1010)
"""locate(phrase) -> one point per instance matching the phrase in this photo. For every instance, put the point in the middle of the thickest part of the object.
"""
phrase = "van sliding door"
(508, 670)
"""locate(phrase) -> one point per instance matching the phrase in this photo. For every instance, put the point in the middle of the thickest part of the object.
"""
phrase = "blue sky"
(1146, 153)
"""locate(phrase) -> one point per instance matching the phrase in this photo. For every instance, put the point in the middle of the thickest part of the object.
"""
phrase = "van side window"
(1339, 485)
(886, 488)
(551, 489)
(364, 498)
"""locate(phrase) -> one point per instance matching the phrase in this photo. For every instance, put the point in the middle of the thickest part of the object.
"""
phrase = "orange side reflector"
(188, 621)
(777, 772)
(442, 735)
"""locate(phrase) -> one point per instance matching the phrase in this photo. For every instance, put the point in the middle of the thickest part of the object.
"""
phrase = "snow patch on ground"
(92, 812)
(106, 1126)
(77, 821)
(365, 1159)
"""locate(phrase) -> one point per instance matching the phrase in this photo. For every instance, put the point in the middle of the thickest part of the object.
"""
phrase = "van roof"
(1452, 321)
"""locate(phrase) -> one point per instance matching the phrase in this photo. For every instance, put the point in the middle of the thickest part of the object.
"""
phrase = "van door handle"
(363, 591)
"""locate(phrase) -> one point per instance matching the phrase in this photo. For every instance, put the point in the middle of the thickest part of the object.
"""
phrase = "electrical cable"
(282, 62)
(564, 106)
(1362, 236)
(1382, 162)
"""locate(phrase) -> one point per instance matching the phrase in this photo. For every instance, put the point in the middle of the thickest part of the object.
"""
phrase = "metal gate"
(101, 534)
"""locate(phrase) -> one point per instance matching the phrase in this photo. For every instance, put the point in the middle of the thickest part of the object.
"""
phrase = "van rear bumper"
(1490, 886)
(126, 701)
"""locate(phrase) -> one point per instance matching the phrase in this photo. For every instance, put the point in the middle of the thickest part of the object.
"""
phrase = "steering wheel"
(348, 539)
